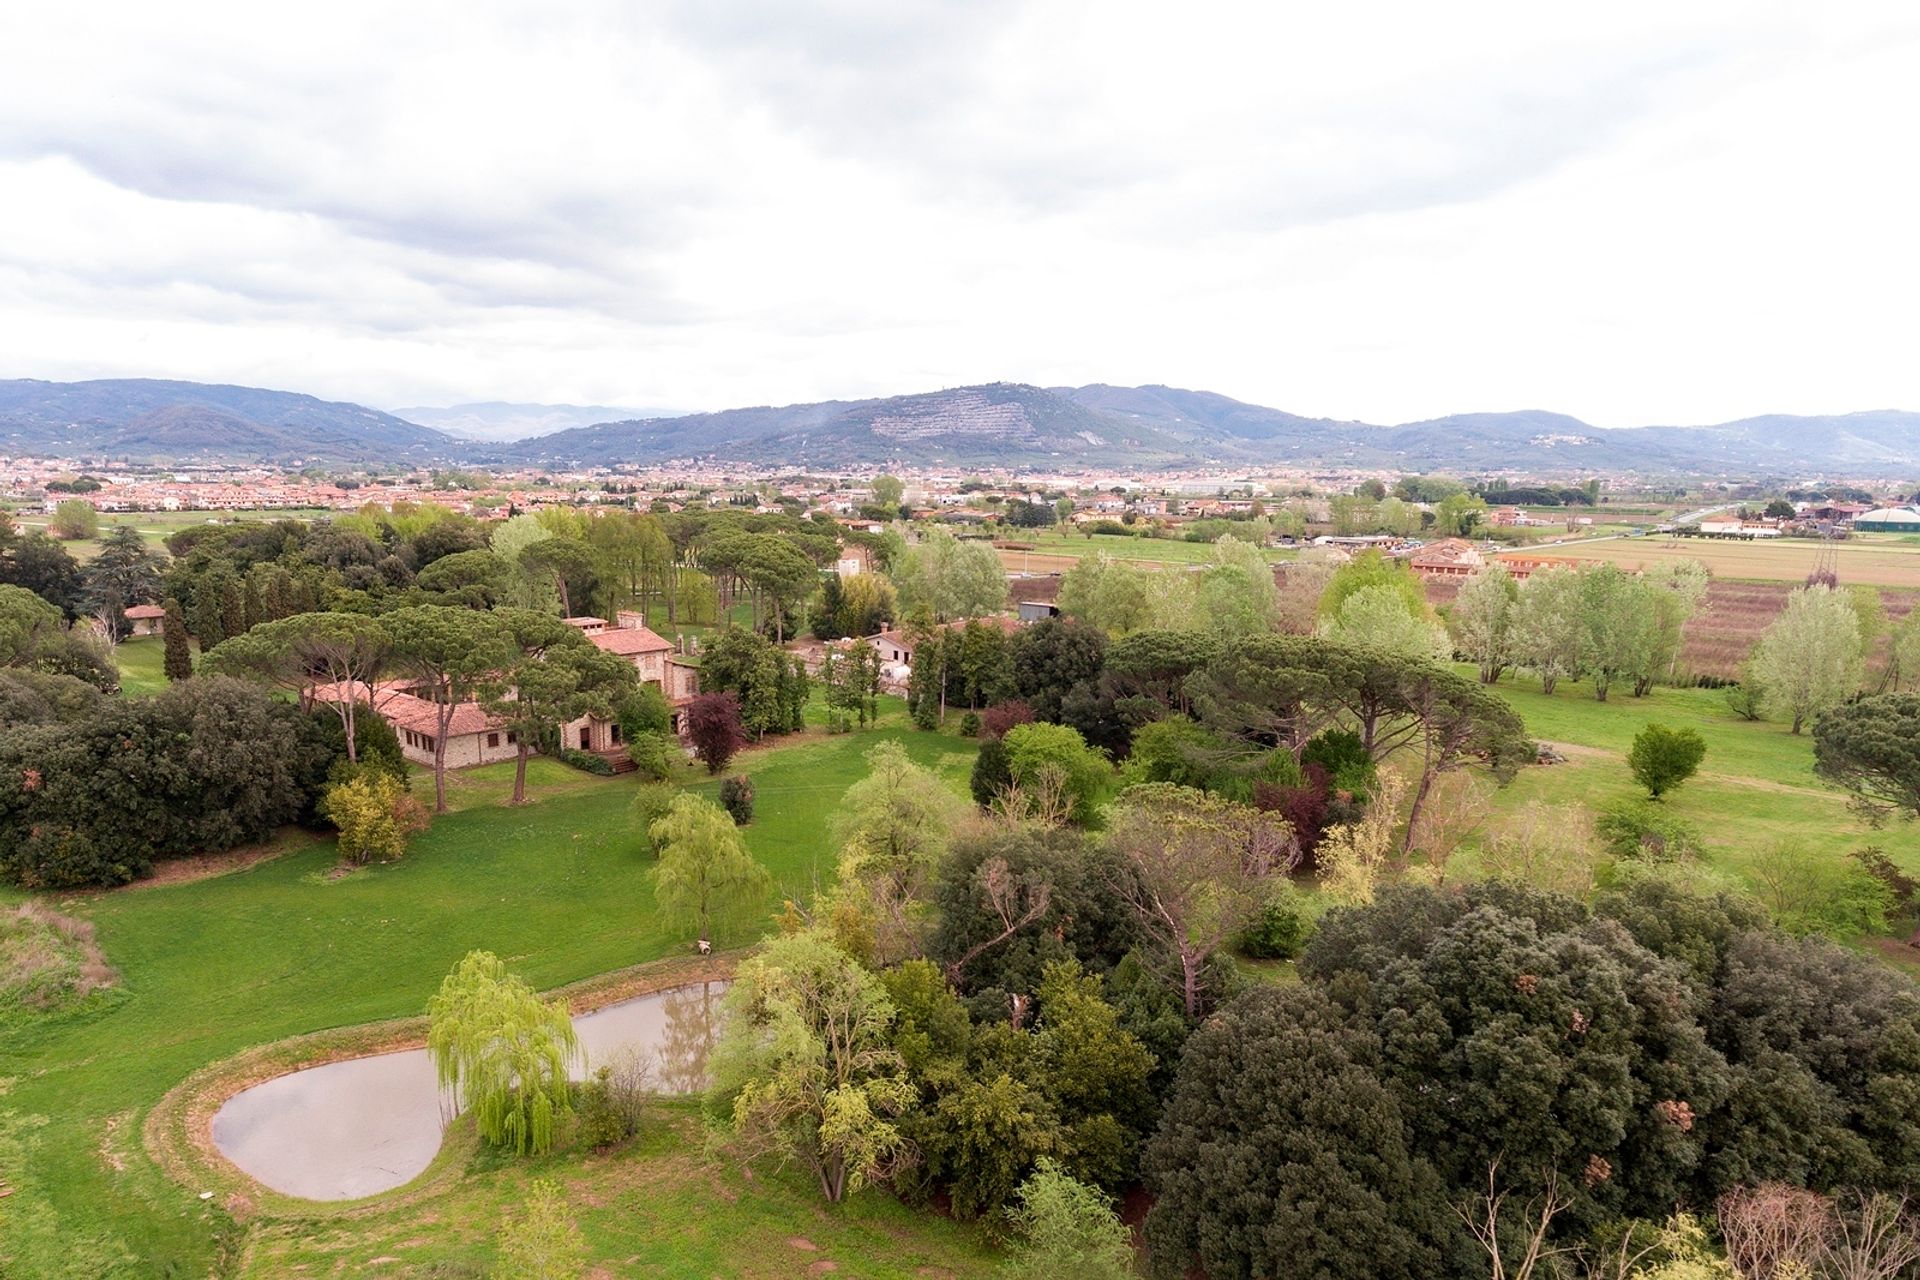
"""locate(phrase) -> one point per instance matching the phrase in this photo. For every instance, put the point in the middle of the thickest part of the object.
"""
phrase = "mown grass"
(1756, 788)
(559, 888)
(142, 663)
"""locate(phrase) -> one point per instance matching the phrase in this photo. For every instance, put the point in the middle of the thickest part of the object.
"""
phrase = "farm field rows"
(1864, 560)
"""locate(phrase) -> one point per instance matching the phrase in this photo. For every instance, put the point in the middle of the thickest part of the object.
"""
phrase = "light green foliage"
(1645, 831)
(1662, 757)
(1685, 1252)
(1237, 593)
(1377, 616)
(706, 872)
(650, 804)
(540, 1242)
(892, 829)
(376, 815)
(1810, 658)
(1548, 626)
(27, 623)
(1069, 1230)
(1120, 597)
(74, 518)
(1176, 749)
(888, 490)
(1197, 867)
(1371, 569)
(804, 1067)
(954, 579)
(1482, 619)
(1458, 515)
(1903, 652)
(1054, 757)
(510, 541)
(504, 1052)
(1809, 895)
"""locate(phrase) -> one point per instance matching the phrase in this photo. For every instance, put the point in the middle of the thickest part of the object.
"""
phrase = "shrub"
(1280, 928)
(1048, 757)
(585, 761)
(970, 725)
(650, 805)
(992, 774)
(1642, 830)
(736, 797)
(614, 1102)
(376, 815)
(1349, 765)
(1663, 758)
(1069, 1230)
(1815, 895)
(653, 755)
(1002, 716)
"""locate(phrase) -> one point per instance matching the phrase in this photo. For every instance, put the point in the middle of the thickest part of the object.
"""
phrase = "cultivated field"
(156, 525)
(1056, 551)
(1879, 560)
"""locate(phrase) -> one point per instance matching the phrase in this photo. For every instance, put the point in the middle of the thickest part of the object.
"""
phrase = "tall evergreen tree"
(179, 655)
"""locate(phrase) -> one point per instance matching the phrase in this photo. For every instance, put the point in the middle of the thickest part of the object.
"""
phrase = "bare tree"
(1481, 1214)
(1015, 901)
(1774, 1226)
(1194, 867)
(1877, 1239)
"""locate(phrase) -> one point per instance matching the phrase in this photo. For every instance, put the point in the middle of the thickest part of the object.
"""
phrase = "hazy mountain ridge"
(150, 419)
(504, 420)
(995, 424)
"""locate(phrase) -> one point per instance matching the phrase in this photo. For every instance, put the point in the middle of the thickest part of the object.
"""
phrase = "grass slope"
(559, 888)
(1755, 789)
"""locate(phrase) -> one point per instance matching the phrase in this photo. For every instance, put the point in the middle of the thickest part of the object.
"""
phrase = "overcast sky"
(1671, 212)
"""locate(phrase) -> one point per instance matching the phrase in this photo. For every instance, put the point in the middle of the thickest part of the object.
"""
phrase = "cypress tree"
(173, 629)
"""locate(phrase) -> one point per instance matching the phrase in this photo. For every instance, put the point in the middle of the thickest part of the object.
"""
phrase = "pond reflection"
(354, 1128)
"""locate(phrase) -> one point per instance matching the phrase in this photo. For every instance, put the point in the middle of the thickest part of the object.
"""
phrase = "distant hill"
(1000, 422)
(503, 420)
(147, 419)
(997, 424)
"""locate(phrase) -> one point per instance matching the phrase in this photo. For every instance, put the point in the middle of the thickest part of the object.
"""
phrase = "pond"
(354, 1128)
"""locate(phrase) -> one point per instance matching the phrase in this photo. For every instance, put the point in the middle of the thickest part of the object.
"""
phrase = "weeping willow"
(503, 1052)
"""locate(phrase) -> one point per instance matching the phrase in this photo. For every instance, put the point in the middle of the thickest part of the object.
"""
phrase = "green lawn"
(559, 888)
(142, 664)
(1120, 546)
(1755, 789)
(154, 526)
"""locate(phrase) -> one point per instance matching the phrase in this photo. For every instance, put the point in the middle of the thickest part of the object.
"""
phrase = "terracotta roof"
(404, 711)
(146, 611)
(629, 641)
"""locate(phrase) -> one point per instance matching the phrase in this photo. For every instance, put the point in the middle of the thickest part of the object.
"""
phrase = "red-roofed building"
(145, 619)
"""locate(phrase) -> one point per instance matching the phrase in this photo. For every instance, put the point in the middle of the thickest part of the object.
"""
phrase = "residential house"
(145, 619)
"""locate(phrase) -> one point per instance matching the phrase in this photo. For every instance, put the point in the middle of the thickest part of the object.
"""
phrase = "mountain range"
(997, 424)
(504, 421)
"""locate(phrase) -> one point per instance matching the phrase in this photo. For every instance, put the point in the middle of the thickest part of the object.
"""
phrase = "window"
(493, 740)
(513, 739)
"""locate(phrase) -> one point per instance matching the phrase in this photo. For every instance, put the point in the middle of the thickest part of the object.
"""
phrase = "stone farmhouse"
(474, 737)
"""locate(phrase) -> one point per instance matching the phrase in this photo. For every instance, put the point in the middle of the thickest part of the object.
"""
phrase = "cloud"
(1388, 210)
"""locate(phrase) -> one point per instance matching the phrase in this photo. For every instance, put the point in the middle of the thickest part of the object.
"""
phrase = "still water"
(353, 1128)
